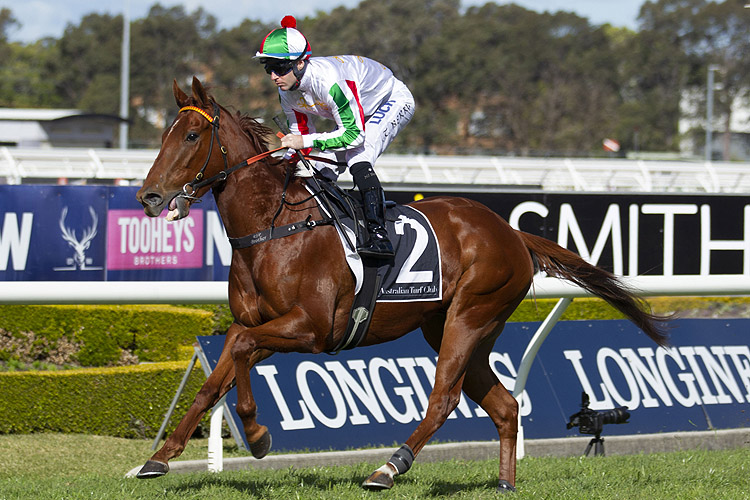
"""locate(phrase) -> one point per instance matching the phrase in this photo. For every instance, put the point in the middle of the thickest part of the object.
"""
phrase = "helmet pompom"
(289, 22)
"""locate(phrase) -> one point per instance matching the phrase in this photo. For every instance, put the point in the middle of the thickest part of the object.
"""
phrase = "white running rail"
(550, 174)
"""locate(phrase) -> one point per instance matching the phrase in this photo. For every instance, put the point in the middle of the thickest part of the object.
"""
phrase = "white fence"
(550, 174)
(215, 292)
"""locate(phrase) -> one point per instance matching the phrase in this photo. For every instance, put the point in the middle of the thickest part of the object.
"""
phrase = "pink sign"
(136, 241)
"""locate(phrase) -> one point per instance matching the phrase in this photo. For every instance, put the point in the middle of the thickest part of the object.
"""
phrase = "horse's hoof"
(152, 469)
(505, 487)
(378, 481)
(262, 446)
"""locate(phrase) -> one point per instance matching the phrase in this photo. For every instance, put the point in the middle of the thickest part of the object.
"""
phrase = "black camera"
(591, 421)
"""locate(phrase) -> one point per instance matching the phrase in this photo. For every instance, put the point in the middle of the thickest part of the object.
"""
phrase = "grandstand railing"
(20, 165)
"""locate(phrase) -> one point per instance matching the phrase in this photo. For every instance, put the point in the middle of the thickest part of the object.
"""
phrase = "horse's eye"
(192, 137)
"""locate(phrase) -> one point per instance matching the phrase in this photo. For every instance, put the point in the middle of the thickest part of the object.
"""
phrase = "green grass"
(54, 466)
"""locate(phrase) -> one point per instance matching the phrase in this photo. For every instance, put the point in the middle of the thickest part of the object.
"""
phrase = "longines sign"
(100, 233)
(378, 394)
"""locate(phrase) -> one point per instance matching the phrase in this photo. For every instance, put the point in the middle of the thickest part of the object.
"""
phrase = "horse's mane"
(255, 131)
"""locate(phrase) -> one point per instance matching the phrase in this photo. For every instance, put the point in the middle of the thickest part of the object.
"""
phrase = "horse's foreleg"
(281, 334)
(216, 386)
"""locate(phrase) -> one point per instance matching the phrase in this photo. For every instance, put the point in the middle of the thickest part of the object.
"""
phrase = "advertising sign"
(53, 233)
(139, 242)
(77, 233)
(99, 233)
(633, 234)
(377, 395)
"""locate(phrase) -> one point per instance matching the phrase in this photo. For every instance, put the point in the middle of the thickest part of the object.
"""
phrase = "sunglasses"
(280, 68)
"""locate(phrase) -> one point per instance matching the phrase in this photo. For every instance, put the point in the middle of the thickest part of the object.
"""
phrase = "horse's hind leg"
(454, 352)
(483, 387)
(476, 317)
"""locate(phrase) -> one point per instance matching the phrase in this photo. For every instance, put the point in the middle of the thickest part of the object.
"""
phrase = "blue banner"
(100, 233)
(83, 233)
(377, 395)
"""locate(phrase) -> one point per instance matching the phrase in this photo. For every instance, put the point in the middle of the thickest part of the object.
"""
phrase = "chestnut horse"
(294, 294)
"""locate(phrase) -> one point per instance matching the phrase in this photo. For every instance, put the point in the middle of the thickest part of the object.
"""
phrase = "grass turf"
(56, 466)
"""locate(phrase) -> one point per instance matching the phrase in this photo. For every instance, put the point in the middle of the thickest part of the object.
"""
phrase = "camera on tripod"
(591, 421)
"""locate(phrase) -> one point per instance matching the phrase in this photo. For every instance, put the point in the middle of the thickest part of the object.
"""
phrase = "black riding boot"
(377, 245)
(373, 202)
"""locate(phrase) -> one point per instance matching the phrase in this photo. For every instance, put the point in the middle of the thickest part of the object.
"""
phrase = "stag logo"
(79, 261)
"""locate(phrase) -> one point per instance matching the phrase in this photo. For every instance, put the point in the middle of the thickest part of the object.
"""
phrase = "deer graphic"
(80, 247)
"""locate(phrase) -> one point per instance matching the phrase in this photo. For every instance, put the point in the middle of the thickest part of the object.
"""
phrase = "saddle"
(414, 274)
(346, 206)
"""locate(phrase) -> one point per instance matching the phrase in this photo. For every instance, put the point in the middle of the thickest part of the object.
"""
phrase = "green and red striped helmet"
(285, 43)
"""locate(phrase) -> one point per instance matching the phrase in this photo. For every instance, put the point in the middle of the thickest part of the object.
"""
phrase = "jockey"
(367, 103)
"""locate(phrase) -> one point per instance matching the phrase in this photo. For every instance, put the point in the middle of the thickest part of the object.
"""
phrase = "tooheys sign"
(68, 233)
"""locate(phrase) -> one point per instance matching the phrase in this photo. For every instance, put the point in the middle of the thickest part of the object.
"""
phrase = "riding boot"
(377, 244)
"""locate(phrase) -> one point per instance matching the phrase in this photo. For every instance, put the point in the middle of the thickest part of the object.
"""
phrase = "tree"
(722, 38)
(166, 45)
(529, 82)
(86, 51)
(492, 78)
(656, 68)
(243, 82)
(24, 75)
(7, 21)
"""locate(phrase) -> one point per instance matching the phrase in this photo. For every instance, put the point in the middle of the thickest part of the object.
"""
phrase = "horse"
(294, 294)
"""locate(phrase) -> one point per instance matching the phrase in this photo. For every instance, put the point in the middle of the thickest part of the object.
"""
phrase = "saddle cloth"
(415, 273)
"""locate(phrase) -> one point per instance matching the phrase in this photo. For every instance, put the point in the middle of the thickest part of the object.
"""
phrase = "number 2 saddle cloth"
(415, 273)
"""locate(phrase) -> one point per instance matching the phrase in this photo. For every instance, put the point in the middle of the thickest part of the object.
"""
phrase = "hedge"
(154, 333)
(103, 333)
(128, 401)
(595, 309)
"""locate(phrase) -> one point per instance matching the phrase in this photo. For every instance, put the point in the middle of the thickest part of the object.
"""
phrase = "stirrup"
(377, 246)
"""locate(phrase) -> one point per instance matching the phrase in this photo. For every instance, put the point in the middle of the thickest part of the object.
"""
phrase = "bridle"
(191, 188)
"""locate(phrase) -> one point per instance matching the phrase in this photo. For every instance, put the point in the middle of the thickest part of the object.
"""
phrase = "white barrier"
(215, 292)
(113, 292)
(549, 174)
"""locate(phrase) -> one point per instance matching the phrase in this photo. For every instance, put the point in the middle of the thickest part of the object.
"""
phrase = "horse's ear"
(179, 96)
(199, 92)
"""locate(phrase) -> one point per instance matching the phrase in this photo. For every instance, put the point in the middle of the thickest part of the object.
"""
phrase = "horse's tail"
(561, 263)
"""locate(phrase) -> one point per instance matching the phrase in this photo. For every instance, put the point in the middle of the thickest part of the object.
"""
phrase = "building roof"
(34, 114)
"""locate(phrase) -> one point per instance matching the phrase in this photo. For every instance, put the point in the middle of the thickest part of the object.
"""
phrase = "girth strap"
(273, 233)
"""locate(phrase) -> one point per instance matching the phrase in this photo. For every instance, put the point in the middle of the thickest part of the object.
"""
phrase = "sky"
(42, 18)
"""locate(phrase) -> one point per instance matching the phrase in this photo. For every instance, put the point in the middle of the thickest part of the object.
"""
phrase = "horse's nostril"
(152, 199)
